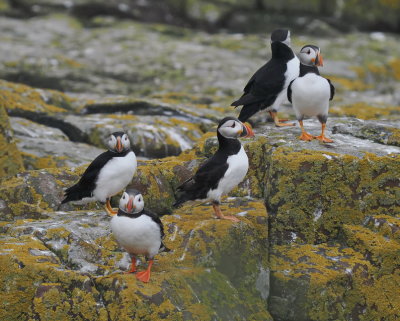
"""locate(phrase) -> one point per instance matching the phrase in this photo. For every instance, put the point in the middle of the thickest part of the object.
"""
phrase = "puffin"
(138, 231)
(107, 175)
(223, 171)
(266, 89)
(310, 93)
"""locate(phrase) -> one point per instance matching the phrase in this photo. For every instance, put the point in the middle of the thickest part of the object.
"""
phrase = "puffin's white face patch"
(113, 141)
(136, 200)
(126, 144)
(231, 129)
(308, 55)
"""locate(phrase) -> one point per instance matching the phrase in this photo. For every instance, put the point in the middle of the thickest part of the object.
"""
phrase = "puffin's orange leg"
(133, 266)
(219, 214)
(322, 137)
(144, 276)
(304, 135)
(109, 209)
(277, 122)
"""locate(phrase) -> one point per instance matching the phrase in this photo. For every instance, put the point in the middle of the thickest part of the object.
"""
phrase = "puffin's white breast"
(137, 235)
(310, 95)
(238, 166)
(115, 176)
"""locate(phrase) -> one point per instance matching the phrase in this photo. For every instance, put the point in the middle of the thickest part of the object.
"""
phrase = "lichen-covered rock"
(71, 265)
(10, 157)
(329, 282)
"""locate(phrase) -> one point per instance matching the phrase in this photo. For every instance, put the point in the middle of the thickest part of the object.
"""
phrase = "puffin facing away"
(107, 175)
(138, 231)
(310, 93)
(223, 171)
(266, 89)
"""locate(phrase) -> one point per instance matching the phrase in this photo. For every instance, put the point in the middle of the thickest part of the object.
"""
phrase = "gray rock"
(48, 142)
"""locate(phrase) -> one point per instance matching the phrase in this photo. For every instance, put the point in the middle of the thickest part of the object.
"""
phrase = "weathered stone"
(10, 157)
(47, 147)
(71, 264)
(329, 282)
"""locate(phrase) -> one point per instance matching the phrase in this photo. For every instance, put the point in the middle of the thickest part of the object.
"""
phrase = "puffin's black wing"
(289, 91)
(157, 220)
(87, 183)
(332, 89)
(262, 89)
(205, 179)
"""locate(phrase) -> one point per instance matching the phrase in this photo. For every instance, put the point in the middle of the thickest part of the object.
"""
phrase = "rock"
(346, 284)
(71, 263)
(47, 147)
(10, 157)
(383, 132)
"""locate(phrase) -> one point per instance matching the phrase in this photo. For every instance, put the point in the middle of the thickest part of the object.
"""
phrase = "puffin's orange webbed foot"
(306, 136)
(109, 209)
(324, 139)
(144, 276)
(221, 216)
(278, 122)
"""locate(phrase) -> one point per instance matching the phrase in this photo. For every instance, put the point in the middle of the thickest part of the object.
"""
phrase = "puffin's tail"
(184, 192)
(73, 193)
(248, 111)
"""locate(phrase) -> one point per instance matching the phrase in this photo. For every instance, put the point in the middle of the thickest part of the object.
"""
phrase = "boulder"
(69, 267)
(48, 147)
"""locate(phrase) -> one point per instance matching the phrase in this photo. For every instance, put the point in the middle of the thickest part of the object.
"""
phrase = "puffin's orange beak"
(119, 145)
(129, 206)
(247, 132)
(319, 61)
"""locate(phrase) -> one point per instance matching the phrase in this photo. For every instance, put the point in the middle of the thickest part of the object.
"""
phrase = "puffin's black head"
(311, 55)
(281, 35)
(131, 201)
(119, 142)
(231, 127)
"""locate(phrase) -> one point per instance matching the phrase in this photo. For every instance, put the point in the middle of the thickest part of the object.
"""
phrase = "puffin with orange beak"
(310, 93)
(223, 171)
(138, 231)
(107, 175)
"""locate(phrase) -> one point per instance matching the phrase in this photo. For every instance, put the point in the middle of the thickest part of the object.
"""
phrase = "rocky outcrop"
(72, 268)
(10, 157)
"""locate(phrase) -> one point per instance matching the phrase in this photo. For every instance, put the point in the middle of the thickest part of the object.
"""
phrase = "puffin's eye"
(308, 52)
(234, 124)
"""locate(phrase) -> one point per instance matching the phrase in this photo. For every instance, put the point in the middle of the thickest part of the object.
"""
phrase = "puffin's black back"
(209, 174)
(87, 183)
(264, 86)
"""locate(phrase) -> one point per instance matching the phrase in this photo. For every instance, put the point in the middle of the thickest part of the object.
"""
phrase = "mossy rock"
(10, 157)
(217, 269)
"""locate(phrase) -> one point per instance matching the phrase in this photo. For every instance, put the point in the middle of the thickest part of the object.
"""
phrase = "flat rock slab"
(347, 134)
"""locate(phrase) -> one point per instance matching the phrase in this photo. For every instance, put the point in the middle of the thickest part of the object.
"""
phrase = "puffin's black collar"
(133, 215)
